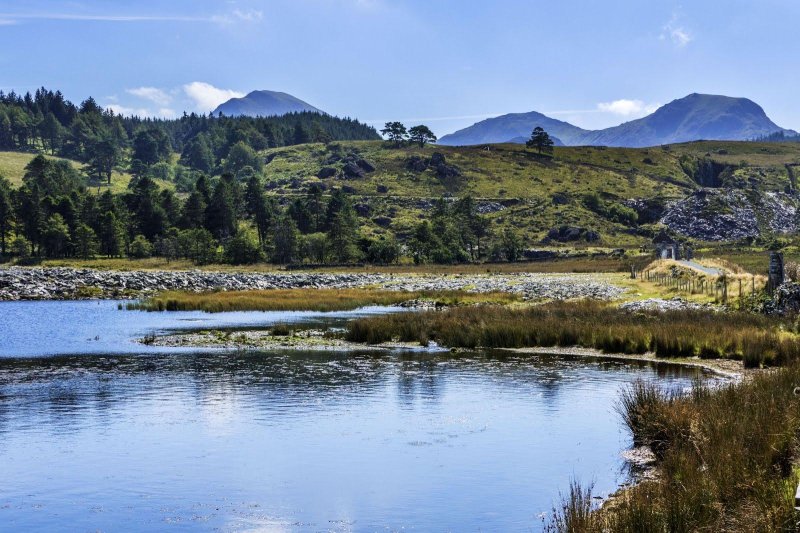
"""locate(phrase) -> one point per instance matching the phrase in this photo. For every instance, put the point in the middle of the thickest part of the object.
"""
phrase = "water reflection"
(306, 441)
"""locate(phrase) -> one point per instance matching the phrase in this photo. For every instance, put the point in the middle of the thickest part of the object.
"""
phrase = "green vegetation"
(726, 461)
(307, 300)
(304, 189)
(755, 339)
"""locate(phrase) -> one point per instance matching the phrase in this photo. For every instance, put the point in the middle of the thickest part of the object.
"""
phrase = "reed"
(305, 299)
(755, 339)
(726, 463)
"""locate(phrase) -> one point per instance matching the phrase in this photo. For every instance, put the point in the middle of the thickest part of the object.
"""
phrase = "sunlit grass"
(727, 461)
(755, 339)
(307, 299)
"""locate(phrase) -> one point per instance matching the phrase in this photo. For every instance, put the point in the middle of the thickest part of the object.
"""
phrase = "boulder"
(363, 210)
(382, 189)
(365, 165)
(382, 221)
(326, 172)
(352, 171)
(416, 163)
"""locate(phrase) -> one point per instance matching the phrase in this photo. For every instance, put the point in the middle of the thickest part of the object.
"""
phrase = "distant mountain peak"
(264, 104)
(693, 117)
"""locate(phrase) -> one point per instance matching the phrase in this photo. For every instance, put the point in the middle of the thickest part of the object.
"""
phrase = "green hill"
(515, 188)
(12, 167)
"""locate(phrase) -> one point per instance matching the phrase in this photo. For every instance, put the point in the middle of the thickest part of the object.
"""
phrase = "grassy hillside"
(514, 188)
(529, 193)
(12, 167)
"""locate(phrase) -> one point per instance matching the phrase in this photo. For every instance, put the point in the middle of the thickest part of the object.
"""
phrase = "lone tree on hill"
(540, 140)
(395, 132)
(421, 134)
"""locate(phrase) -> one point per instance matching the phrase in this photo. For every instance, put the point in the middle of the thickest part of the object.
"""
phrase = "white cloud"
(675, 32)
(13, 17)
(155, 95)
(206, 97)
(627, 108)
(237, 15)
(165, 112)
(126, 111)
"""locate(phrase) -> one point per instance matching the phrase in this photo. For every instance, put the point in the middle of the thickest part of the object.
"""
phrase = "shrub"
(140, 248)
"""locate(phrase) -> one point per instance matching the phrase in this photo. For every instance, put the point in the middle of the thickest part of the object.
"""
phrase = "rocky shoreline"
(36, 283)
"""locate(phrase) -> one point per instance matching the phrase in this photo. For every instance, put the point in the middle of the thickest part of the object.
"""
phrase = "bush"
(140, 248)
(243, 249)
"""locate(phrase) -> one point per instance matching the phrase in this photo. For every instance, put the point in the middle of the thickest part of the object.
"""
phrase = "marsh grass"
(306, 299)
(727, 460)
(755, 339)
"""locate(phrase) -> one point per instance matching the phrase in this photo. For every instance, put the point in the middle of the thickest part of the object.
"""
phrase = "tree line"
(47, 122)
(231, 218)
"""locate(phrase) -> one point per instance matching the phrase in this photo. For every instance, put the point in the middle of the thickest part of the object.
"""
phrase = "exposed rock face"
(437, 161)
(326, 172)
(352, 170)
(68, 283)
(571, 234)
(649, 210)
(731, 214)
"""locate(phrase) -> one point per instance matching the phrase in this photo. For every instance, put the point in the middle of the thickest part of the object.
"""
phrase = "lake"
(98, 432)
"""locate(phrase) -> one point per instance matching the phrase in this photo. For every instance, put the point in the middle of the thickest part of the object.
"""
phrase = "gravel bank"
(21, 283)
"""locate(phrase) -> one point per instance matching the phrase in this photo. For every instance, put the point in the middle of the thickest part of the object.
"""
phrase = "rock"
(437, 158)
(732, 214)
(566, 233)
(485, 208)
(18, 283)
(416, 163)
(326, 172)
(661, 305)
(363, 210)
(352, 171)
(365, 165)
(382, 189)
(382, 221)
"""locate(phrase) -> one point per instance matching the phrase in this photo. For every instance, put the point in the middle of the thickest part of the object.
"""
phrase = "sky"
(444, 63)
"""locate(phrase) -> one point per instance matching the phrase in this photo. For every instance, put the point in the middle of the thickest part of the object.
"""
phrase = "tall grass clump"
(758, 340)
(305, 299)
(727, 459)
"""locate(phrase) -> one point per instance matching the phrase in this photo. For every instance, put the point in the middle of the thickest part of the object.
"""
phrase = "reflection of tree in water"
(63, 392)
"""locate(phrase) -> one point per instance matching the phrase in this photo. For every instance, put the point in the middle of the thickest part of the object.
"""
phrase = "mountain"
(264, 104)
(697, 116)
(694, 117)
(508, 128)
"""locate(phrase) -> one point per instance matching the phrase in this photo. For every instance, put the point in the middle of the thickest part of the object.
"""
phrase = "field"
(12, 167)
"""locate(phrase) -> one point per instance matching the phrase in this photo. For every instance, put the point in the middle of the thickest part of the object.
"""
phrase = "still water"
(112, 436)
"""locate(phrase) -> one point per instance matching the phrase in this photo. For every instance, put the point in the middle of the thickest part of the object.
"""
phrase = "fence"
(718, 287)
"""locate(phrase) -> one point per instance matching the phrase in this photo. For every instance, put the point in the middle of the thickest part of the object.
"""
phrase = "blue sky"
(447, 63)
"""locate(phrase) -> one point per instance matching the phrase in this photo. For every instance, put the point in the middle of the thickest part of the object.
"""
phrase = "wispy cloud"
(626, 108)
(153, 94)
(206, 97)
(15, 17)
(237, 15)
(675, 32)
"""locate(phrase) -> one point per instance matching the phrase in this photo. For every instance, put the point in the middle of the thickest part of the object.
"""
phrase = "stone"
(416, 163)
(326, 172)
(365, 165)
(352, 171)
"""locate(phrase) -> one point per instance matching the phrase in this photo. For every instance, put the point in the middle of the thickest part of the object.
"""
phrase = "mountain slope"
(694, 117)
(512, 126)
(697, 116)
(264, 104)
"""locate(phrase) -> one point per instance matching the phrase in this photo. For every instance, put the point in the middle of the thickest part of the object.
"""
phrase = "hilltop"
(694, 117)
(264, 104)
